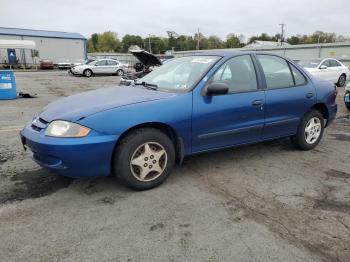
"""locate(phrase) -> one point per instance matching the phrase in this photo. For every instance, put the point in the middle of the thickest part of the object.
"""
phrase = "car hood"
(82, 66)
(146, 58)
(76, 107)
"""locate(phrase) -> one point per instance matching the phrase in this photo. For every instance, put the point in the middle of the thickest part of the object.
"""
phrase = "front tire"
(87, 73)
(144, 159)
(341, 81)
(120, 72)
(310, 131)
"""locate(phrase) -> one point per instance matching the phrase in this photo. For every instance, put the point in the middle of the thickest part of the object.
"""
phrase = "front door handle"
(257, 103)
(309, 95)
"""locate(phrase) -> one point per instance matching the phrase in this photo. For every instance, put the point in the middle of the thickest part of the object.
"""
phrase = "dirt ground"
(265, 202)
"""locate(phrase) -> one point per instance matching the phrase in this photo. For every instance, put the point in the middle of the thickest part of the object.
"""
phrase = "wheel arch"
(322, 108)
(166, 129)
(92, 72)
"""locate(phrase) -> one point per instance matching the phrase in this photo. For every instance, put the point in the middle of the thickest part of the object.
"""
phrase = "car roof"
(224, 53)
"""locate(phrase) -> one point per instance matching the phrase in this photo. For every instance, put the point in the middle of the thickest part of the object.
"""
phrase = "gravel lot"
(265, 202)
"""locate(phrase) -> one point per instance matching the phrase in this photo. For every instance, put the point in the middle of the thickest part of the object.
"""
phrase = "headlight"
(61, 128)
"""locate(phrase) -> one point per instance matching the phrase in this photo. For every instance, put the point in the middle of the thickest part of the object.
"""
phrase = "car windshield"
(310, 63)
(179, 74)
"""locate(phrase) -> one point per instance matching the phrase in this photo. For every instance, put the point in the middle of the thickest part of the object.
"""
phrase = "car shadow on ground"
(41, 182)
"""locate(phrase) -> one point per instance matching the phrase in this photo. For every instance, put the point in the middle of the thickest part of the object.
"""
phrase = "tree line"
(110, 42)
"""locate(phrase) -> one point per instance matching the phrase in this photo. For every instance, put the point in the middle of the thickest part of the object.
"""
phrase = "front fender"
(174, 111)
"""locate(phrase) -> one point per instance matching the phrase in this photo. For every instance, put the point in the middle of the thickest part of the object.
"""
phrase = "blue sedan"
(189, 105)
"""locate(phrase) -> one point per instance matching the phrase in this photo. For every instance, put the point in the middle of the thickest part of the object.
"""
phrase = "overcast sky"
(143, 17)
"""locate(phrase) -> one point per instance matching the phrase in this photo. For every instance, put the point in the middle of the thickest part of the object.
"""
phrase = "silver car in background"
(100, 66)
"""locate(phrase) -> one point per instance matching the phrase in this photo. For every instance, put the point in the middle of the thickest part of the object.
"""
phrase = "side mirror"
(216, 89)
(323, 67)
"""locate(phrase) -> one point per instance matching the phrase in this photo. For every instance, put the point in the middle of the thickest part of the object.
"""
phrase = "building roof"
(39, 33)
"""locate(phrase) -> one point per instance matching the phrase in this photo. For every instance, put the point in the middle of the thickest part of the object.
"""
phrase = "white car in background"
(328, 69)
(100, 66)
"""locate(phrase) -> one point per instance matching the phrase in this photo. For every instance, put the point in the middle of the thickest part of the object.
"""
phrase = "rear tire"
(144, 159)
(310, 131)
(87, 73)
(341, 81)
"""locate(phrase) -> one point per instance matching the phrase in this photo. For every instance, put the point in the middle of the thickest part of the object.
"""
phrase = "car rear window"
(299, 78)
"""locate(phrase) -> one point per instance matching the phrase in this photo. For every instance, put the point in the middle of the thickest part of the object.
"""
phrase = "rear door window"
(111, 63)
(334, 63)
(299, 78)
(101, 63)
(277, 72)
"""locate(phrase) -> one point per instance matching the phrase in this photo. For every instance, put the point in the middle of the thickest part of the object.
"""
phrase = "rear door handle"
(309, 95)
(257, 103)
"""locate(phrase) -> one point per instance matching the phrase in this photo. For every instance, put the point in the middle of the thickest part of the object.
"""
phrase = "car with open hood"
(190, 105)
(147, 62)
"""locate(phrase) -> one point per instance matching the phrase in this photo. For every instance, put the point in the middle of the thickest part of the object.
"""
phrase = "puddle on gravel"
(33, 184)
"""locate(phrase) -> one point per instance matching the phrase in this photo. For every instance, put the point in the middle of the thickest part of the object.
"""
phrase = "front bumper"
(75, 71)
(73, 157)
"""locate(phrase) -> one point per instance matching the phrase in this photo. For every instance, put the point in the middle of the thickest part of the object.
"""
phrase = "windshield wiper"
(147, 85)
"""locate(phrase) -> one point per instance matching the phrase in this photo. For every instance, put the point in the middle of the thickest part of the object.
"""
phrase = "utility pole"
(198, 39)
(282, 32)
(149, 43)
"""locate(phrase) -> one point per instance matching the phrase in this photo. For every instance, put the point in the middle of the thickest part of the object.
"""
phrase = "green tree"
(232, 41)
(158, 44)
(130, 40)
(215, 42)
(92, 43)
(108, 42)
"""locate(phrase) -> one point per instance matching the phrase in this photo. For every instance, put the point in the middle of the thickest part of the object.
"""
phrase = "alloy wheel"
(148, 161)
(342, 80)
(313, 130)
(88, 73)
